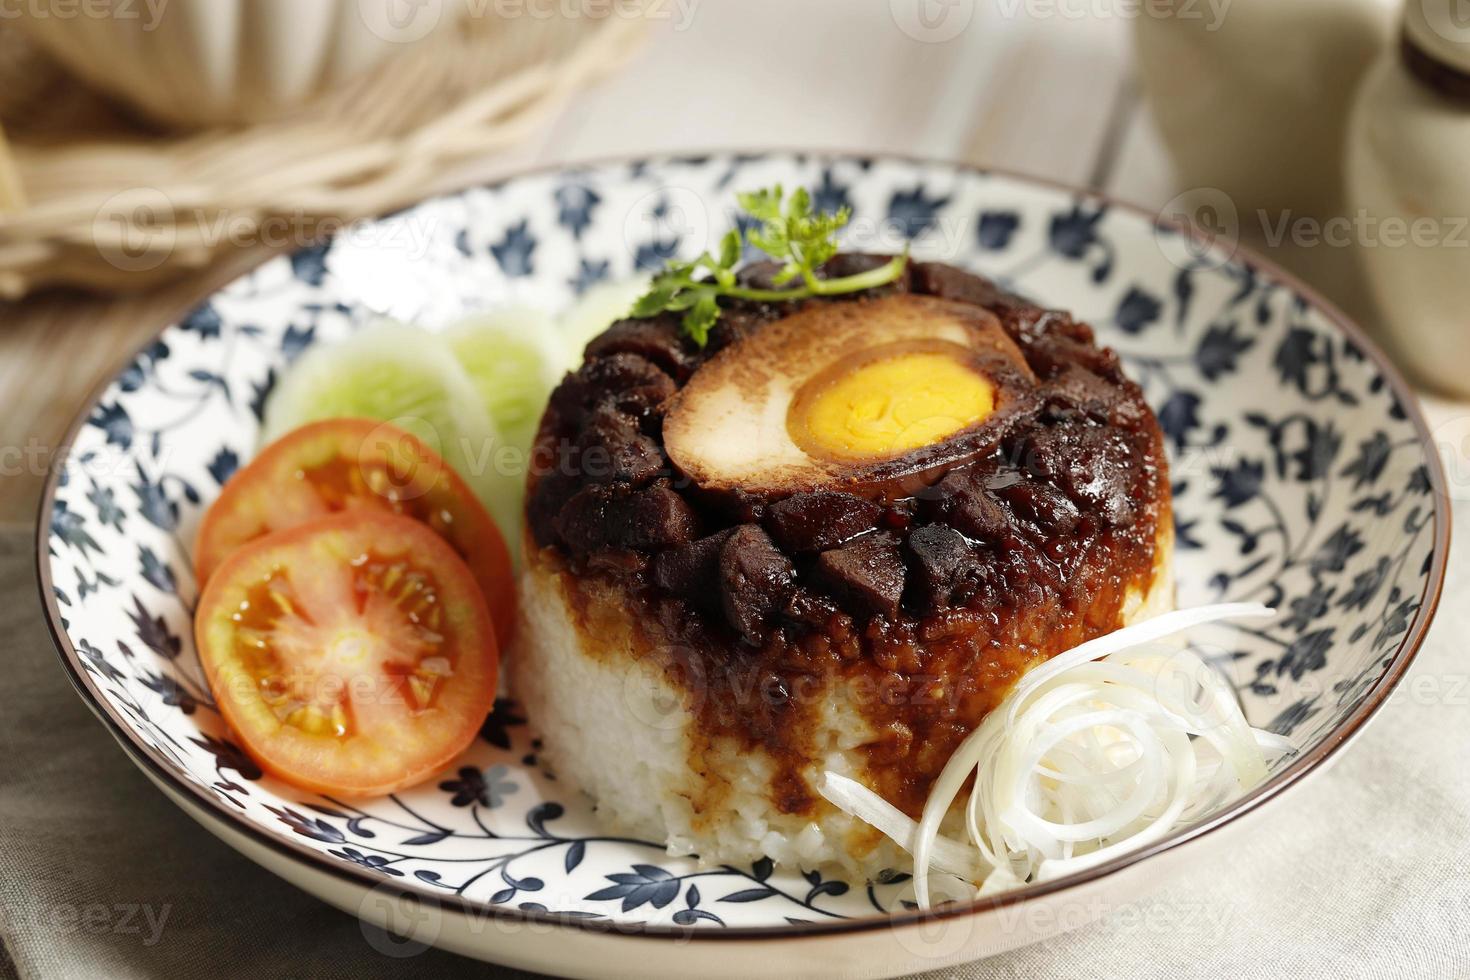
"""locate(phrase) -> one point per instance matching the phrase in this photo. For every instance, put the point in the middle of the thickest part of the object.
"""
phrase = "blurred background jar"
(1409, 176)
(1252, 96)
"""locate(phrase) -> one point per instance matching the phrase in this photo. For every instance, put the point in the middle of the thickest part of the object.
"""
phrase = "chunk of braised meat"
(739, 320)
(549, 495)
(740, 507)
(1062, 351)
(1094, 465)
(614, 448)
(856, 263)
(821, 520)
(1046, 337)
(656, 517)
(1024, 576)
(755, 578)
(866, 573)
(760, 274)
(944, 568)
(1046, 508)
(947, 282)
(657, 339)
(632, 378)
(600, 517)
(811, 609)
(963, 500)
(692, 571)
(1077, 390)
(582, 522)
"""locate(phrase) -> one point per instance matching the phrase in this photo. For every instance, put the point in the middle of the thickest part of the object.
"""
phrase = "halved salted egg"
(859, 394)
(889, 399)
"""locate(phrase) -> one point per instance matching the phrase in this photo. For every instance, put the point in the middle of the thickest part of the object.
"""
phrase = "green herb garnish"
(789, 232)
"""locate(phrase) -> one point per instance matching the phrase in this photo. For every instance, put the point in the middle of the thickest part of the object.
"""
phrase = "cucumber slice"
(407, 376)
(513, 357)
(599, 308)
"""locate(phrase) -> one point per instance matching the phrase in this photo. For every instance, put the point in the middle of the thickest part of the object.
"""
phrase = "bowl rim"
(1309, 762)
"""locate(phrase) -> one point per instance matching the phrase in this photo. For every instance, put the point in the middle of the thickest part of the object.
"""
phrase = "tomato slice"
(353, 655)
(350, 465)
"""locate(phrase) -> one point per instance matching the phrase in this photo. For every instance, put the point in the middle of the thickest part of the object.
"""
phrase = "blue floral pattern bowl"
(1301, 479)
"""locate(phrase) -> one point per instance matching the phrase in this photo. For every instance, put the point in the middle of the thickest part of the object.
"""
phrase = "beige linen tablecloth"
(1363, 871)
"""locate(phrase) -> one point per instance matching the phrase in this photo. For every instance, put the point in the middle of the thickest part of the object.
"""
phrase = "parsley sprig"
(788, 231)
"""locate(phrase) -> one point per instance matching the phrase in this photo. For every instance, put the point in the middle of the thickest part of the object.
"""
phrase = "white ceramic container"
(1407, 177)
(201, 62)
(1252, 96)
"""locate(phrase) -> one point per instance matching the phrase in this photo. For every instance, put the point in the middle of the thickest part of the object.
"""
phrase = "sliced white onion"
(949, 856)
(1100, 750)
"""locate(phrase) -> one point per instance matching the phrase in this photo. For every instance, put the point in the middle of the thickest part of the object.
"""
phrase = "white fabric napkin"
(1362, 871)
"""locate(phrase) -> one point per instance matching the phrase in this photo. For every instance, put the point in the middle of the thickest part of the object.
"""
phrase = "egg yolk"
(884, 403)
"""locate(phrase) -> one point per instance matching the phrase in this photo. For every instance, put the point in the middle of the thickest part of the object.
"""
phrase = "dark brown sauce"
(915, 612)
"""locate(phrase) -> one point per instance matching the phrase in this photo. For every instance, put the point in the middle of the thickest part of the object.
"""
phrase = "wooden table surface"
(1056, 98)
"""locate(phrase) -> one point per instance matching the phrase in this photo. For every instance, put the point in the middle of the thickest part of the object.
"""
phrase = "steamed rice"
(613, 725)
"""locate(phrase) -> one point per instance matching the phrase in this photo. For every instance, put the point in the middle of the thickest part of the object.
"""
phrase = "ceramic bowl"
(1301, 478)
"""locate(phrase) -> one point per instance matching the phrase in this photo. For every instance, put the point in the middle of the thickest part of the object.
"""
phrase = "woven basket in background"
(92, 197)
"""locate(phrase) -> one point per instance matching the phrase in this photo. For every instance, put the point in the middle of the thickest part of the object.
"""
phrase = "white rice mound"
(614, 726)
